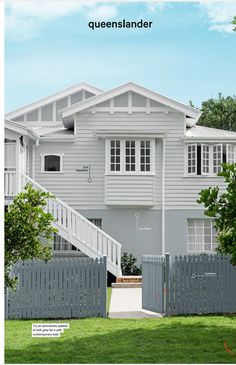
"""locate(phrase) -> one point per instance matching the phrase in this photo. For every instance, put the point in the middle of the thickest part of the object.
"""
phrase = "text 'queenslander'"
(120, 24)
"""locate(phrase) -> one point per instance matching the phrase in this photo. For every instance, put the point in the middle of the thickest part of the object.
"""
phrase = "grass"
(150, 340)
(108, 298)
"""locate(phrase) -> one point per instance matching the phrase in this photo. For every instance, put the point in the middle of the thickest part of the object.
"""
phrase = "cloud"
(153, 6)
(220, 15)
(102, 12)
(24, 18)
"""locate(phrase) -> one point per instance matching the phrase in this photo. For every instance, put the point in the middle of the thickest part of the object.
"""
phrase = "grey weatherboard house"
(126, 166)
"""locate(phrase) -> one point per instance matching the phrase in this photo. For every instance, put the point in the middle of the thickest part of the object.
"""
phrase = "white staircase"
(80, 232)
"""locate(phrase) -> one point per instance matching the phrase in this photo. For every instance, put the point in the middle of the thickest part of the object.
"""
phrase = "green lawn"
(108, 298)
(151, 340)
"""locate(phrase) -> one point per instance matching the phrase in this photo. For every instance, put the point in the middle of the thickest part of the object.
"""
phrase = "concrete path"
(127, 303)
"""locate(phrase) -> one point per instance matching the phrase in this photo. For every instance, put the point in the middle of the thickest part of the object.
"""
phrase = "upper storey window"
(204, 159)
(131, 156)
(52, 163)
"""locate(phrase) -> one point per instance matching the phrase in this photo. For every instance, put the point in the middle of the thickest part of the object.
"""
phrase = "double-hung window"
(131, 156)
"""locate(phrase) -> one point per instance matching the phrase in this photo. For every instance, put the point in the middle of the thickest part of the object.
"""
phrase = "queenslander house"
(126, 166)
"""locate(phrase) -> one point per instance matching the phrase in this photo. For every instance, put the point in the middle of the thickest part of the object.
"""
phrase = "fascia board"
(75, 108)
(51, 98)
(58, 139)
(128, 133)
(210, 139)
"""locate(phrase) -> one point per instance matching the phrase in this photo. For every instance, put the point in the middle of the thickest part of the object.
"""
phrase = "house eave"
(102, 134)
(130, 86)
(21, 129)
(51, 98)
(58, 139)
(210, 139)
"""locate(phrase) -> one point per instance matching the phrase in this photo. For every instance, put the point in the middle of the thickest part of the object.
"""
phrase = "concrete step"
(126, 285)
(129, 279)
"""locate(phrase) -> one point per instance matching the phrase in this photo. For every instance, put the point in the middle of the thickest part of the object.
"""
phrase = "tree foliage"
(219, 113)
(128, 265)
(222, 207)
(26, 225)
(234, 22)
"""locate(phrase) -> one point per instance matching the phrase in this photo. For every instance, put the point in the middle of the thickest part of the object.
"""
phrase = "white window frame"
(195, 152)
(218, 165)
(205, 162)
(137, 157)
(200, 247)
(43, 155)
(230, 155)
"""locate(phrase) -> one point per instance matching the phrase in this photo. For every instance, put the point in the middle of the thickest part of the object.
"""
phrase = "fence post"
(103, 287)
(167, 284)
(6, 303)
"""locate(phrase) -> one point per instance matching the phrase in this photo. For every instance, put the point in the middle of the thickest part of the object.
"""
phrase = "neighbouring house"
(126, 166)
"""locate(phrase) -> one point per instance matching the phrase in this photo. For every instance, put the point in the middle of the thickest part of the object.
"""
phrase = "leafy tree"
(234, 22)
(222, 207)
(219, 113)
(26, 225)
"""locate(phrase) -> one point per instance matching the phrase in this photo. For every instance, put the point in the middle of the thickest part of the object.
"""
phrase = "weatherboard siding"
(105, 191)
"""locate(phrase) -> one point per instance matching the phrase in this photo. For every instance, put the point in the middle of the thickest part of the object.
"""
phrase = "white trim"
(203, 235)
(122, 171)
(128, 87)
(206, 146)
(195, 166)
(128, 134)
(42, 155)
(111, 105)
(51, 98)
(163, 222)
(217, 166)
(228, 146)
(148, 106)
(40, 114)
(129, 102)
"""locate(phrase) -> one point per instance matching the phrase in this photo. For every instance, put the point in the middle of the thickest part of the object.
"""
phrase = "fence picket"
(197, 284)
(60, 288)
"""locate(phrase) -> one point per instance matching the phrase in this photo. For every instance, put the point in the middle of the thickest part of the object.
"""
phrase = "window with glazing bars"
(201, 235)
(192, 158)
(129, 155)
(115, 155)
(205, 159)
(145, 152)
(217, 158)
(230, 153)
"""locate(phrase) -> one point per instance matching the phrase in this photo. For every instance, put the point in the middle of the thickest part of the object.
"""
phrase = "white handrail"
(79, 228)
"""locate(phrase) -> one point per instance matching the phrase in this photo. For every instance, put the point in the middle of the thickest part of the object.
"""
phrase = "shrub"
(128, 265)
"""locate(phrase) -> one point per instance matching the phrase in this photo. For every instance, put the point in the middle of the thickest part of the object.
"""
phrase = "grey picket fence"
(59, 288)
(193, 284)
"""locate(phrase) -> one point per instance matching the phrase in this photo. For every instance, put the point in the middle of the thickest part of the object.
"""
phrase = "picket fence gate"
(59, 288)
(193, 284)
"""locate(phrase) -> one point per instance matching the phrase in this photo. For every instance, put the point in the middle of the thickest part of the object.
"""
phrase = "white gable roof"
(51, 98)
(130, 86)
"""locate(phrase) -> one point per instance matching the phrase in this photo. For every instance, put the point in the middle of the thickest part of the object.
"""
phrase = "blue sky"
(189, 53)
